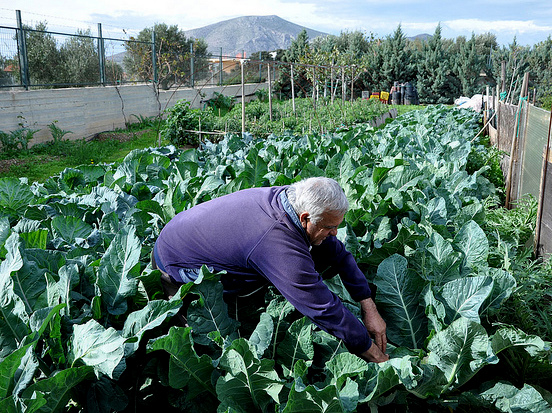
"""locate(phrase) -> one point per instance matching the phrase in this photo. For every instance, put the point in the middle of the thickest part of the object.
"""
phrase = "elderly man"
(284, 236)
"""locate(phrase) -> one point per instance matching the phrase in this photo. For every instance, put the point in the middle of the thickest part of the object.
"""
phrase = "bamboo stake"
(269, 93)
(242, 62)
(513, 151)
(292, 91)
(484, 127)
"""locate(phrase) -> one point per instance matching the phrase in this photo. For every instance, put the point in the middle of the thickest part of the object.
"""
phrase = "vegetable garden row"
(84, 325)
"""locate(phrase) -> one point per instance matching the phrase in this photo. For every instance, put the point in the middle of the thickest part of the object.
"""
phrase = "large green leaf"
(13, 315)
(91, 344)
(70, 228)
(443, 263)
(511, 336)
(57, 389)
(460, 351)
(151, 316)
(376, 381)
(465, 296)
(186, 367)
(68, 279)
(118, 270)
(504, 284)
(312, 399)
(399, 299)
(297, 343)
(255, 170)
(210, 312)
(30, 283)
(345, 365)
(15, 197)
(262, 335)
(17, 370)
(249, 384)
(472, 241)
(508, 398)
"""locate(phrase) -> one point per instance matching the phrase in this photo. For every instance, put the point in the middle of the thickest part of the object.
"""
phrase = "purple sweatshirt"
(250, 235)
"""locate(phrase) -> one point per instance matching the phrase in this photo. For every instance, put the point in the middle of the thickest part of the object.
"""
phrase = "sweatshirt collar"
(290, 211)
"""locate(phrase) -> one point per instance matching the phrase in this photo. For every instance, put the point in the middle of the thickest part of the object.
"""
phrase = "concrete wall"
(87, 111)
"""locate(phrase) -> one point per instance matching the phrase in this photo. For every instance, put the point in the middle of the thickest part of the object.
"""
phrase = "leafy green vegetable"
(83, 322)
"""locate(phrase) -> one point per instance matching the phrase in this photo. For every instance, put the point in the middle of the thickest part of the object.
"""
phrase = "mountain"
(250, 34)
(424, 37)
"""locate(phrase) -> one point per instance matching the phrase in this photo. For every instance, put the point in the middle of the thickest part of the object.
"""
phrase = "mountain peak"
(250, 34)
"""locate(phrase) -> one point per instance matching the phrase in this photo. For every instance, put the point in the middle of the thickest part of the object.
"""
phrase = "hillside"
(250, 34)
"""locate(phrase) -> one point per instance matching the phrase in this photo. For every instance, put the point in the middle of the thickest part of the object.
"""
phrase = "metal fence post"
(23, 62)
(220, 67)
(101, 55)
(153, 58)
(192, 64)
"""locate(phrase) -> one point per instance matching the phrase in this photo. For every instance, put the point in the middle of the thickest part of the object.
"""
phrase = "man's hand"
(374, 354)
(376, 327)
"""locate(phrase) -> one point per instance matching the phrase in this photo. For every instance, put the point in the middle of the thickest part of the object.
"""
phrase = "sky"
(528, 21)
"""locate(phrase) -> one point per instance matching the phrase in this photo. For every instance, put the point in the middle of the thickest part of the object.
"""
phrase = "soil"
(119, 136)
(6, 164)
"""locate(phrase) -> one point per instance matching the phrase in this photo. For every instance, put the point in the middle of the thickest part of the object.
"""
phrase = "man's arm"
(377, 328)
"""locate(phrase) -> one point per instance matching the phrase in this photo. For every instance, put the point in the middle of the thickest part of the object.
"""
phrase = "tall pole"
(153, 58)
(242, 62)
(269, 92)
(220, 67)
(23, 62)
(352, 82)
(343, 86)
(513, 150)
(332, 82)
(101, 55)
(503, 76)
(192, 64)
(292, 91)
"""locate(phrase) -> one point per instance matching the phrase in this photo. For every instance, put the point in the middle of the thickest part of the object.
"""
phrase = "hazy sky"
(529, 21)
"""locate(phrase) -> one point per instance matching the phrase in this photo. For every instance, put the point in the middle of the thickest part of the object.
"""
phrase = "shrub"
(17, 140)
(547, 102)
(182, 122)
(57, 132)
(221, 104)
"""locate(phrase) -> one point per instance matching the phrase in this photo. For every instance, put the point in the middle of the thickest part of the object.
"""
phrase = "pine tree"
(468, 66)
(434, 72)
(397, 60)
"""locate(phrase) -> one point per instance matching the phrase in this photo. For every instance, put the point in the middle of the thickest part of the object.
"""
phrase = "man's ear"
(303, 218)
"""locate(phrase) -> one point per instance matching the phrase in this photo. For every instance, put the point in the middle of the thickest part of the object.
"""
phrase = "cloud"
(504, 26)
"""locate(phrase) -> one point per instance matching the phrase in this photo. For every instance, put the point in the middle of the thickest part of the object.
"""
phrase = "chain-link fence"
(38, 58)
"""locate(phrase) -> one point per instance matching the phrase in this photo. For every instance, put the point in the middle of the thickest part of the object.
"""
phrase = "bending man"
(284, 236)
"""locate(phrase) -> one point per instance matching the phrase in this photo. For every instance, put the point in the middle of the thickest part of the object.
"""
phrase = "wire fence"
(33, 58)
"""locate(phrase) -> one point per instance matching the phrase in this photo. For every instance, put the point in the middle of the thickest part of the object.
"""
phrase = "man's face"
(322, 229)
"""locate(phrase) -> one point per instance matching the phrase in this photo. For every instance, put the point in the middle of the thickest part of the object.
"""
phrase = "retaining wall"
(88, 111)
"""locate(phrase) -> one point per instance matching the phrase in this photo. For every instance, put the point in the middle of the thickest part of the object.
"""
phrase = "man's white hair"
(317, 196)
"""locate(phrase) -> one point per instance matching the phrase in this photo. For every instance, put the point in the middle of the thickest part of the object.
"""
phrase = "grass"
(42, 161)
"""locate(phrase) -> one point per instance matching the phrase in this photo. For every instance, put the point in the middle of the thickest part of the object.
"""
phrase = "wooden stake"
(542, 187)
(513, 151)
(242, 62)
(292, 91)
(269, 93)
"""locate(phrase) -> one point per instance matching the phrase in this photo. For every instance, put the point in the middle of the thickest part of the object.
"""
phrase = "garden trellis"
(523, 132)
